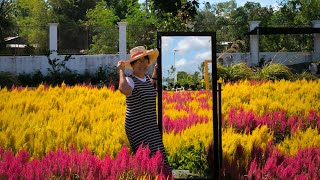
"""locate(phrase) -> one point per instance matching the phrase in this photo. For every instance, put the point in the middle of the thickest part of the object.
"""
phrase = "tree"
(292, 13)
(201, 69)
(216, 17)
(301, 11)
(249, 12)
(174, 15)
(105, 38)
(121, 7)
(169, 6)
(70, 12)
(32, 20)
(183, 78)
(7, 24)
(205, 20)
(195, 78)
(225, 8)
(141, 27)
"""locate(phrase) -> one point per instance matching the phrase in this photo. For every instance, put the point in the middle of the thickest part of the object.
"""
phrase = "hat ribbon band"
(136, 54)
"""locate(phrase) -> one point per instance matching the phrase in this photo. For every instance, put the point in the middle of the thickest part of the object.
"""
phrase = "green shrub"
(222, 72)
(31, 80)
(274, 71)
(239, 71)
(190, 158)
(8, 79)
(305, 75)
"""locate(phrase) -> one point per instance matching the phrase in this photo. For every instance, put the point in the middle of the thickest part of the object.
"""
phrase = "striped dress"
(141, 118)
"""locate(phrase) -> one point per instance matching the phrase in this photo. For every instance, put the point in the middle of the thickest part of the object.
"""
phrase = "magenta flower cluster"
(182, 123)
(274, 165)
(61, 164)
(270, 163)
(280, 122)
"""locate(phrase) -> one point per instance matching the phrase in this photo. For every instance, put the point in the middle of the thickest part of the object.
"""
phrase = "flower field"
(270, 130)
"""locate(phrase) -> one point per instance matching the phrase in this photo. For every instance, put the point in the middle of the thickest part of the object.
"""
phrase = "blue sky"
(263, 3)
(242, 2)
(190, 52)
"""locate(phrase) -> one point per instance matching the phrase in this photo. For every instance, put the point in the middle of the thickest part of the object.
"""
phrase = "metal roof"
(283, 30)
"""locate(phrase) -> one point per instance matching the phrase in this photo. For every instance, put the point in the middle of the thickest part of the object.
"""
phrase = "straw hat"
(139, 52)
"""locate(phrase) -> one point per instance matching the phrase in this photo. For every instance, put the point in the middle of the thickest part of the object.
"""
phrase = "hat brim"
(153, 55)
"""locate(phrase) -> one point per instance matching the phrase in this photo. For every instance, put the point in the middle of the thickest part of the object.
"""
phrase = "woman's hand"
(124, 87)
(121, 65)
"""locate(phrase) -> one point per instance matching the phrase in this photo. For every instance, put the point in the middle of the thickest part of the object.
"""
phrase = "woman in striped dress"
(140, 90)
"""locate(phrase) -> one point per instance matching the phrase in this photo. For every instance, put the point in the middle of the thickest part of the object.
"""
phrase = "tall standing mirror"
(187, 83)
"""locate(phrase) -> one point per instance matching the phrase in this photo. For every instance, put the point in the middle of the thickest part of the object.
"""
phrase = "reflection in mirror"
(182, 60)
(186, 108)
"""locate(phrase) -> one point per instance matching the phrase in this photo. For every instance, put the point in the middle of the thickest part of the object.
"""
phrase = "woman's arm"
(154, 77)
(124, 87)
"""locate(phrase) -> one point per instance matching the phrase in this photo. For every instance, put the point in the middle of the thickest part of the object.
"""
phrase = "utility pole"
(147, 10)
(175, 67)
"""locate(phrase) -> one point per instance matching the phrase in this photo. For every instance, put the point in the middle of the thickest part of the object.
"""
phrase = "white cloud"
(166, 41)
(193, 43)
(187, 66)
(181, 62)
(203, 56)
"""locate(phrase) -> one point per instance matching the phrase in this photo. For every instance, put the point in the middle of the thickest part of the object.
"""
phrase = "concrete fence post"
(122, 40)
(316, 41)
(254, 45)
(53, 38)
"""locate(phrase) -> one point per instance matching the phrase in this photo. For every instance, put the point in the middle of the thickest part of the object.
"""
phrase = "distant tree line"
(94, 22)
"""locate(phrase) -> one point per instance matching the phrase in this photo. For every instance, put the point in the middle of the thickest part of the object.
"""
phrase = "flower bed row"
(70, 164)
(282, 113)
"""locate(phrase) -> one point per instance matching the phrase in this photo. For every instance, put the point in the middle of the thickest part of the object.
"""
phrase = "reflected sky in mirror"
(186, 52)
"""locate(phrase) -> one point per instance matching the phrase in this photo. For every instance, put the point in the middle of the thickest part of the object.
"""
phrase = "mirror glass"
(185, 100)
(182, 60)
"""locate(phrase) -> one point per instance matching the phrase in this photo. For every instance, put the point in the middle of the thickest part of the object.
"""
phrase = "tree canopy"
(94, 22)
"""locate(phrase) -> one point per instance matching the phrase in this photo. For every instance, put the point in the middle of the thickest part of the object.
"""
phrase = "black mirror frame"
(216, 134)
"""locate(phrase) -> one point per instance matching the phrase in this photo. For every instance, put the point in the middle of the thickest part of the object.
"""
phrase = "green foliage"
(305, 75)
(205, 21)
(58, 68)
(121, 7)
(105, 38)
(239, 71)
(32, 21)
(31, 80)
(70, 12)
(8, 79)
(31, 17)
(271, 71)
(274, 71)
(141, 28)
(172, 23)
(73, 37)
(222, 72)
(169, 6)
(58, 65)
(191, 158)
(7, 23)
(106, 76)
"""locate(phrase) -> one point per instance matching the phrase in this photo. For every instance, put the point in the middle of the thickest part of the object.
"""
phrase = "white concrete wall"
(91, 63)
(79, 63)
(287, 58)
